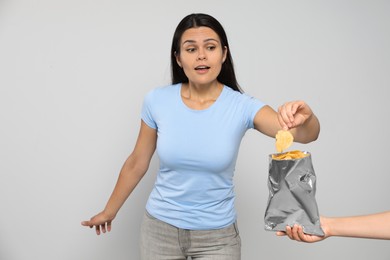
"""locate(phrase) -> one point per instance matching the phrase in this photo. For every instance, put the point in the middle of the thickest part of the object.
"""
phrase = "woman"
(197, 125)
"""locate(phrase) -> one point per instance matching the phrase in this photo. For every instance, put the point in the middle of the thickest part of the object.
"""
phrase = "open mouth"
(202, 68)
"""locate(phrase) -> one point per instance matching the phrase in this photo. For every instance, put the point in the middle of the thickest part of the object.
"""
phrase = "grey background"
(72, 78)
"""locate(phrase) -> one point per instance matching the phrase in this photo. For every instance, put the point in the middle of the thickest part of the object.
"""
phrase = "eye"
(211, 47)
(191, 49)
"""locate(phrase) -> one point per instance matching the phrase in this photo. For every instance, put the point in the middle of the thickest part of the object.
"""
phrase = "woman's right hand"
(101, 222)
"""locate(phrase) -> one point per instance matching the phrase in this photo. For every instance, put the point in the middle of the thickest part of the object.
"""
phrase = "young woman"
(196, 124)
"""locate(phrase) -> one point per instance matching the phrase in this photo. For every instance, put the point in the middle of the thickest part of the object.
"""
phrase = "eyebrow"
(206, 40)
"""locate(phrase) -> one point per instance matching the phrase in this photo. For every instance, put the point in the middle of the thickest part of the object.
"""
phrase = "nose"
(201, 55)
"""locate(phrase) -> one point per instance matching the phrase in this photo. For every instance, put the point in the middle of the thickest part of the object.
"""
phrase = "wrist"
(109, 213)
(327, 226)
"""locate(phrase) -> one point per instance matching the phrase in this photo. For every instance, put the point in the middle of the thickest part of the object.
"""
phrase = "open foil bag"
(292, 188)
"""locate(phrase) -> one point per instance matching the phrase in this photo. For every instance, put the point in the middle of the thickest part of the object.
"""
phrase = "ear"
(178, 59)
(225, 51)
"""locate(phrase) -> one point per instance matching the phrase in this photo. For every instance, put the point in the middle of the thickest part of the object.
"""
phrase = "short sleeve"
(252, 106)
(147, 111)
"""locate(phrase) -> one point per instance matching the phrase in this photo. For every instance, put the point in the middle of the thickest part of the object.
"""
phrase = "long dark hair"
(227, 75)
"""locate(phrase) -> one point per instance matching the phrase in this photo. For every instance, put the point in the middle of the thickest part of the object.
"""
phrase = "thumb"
(87, 224)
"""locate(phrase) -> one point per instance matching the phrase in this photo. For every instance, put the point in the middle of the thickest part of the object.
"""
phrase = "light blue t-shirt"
(197, 151)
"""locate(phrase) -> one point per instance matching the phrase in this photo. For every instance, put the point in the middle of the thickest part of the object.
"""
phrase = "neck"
(202, 93)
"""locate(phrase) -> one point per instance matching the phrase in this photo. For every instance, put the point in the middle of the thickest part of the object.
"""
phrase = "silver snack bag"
(292, 188)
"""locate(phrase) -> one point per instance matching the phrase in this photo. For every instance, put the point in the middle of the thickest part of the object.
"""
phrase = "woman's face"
(201, 55)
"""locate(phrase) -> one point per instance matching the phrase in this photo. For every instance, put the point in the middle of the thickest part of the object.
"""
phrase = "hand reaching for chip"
(293, 114)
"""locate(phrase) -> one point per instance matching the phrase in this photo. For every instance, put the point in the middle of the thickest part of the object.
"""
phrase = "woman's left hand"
(293, 114)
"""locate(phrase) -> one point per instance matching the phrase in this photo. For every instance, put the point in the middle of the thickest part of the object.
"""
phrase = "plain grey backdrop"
(73, 75)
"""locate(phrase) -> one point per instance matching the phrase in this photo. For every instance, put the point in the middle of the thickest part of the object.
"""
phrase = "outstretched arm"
(366, 226)
(130, 175)
(375, 226)
(295, 116)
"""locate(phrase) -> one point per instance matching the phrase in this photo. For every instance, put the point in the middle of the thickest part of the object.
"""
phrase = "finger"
(282, 123)
(281, 119)
(87, 224)
(281, 233)
(308, 238)
(289, 232)
(288, 115)
(97, 228)
(283, 112)
(296, 117)
(290, 111)
(109, 226)
(296, 106)
(103, 227)
(295, 234)
(302, 235)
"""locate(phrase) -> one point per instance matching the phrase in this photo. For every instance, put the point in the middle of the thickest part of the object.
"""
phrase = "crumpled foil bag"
(292, 188)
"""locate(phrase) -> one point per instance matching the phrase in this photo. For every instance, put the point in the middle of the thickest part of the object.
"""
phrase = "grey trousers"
(161, 241)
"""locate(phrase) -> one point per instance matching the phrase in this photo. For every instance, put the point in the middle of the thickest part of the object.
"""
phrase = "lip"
(202, 67)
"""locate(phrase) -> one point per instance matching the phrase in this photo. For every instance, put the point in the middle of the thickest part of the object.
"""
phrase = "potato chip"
(284, 139)
(291, 155)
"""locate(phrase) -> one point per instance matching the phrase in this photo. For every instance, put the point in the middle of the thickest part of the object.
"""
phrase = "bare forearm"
(375, 226)
(131, 173)
(307, 132)
(128, 179)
